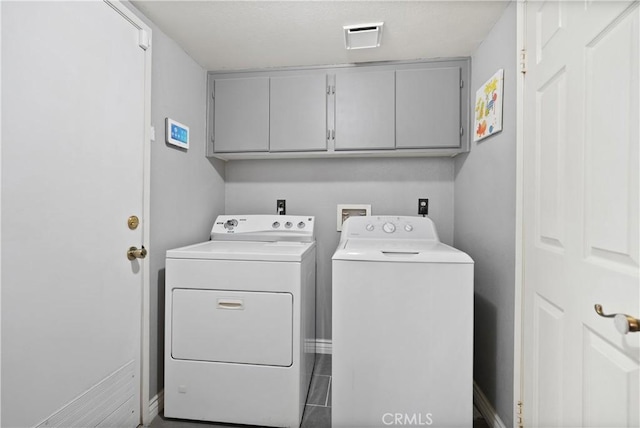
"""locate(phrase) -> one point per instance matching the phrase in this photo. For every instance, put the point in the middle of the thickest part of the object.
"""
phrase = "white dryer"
(240, 322)
(402, 326)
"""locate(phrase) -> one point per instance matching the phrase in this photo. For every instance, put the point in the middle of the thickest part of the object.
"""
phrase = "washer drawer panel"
(232, 326)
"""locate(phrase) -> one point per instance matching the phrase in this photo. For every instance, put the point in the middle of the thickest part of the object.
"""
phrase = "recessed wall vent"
(363, 36)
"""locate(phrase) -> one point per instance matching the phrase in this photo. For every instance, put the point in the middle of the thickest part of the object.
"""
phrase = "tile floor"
(317, 412)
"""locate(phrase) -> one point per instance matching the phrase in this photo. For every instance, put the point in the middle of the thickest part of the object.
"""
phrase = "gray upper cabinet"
(365, 110)
(241, 115)
(428, 108)
(417, 108)
(298, 108)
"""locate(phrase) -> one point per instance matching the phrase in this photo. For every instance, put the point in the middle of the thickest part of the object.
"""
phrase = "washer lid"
(404, 250)
(244, 250)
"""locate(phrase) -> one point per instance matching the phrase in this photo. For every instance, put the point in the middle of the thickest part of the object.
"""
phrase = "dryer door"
(232, 327)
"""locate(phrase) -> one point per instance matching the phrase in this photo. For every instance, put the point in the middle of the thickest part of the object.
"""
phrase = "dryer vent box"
(363, 36)
(349, 210)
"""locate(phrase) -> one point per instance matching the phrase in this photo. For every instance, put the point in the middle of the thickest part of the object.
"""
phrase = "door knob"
(624, 323)
(135, 253)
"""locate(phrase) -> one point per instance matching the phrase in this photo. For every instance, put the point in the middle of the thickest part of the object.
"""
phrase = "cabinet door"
(428, 108)
(365, 110)
(241, 115)
(298, 113)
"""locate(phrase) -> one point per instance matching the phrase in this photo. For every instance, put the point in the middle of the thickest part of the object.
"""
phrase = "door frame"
(518, 330)
(127, 14)
(0, 214)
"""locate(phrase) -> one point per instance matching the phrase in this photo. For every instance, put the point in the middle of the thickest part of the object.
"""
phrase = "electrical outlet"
(423, 207)
(281, 206)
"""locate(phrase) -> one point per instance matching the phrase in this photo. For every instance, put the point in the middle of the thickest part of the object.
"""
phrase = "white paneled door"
(74, 121)
(581, 213)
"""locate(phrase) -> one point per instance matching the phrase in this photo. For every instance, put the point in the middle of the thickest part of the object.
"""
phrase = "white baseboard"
(323, 346)
(156, 405)
(485, 408)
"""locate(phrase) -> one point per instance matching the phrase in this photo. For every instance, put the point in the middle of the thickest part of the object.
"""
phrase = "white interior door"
(73, 99)
(581, 213)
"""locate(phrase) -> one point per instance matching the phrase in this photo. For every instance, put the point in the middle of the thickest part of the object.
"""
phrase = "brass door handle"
(135, 253)
(624, 323)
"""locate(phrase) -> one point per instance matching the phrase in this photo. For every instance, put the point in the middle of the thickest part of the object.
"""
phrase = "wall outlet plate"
(281, 206)
(347, 210)
(423, 206)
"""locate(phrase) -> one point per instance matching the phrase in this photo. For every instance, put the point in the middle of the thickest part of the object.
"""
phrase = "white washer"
(402, 326)
(240, 322)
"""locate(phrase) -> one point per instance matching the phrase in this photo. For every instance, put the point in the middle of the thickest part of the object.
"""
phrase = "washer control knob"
(276, 224)
(370, 227)
(408, 228)
(389, 227)
(288, 225)
(301, 225)
(230, 224)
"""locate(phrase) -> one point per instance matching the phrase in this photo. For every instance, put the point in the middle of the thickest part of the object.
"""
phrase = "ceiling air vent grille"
(363, 36)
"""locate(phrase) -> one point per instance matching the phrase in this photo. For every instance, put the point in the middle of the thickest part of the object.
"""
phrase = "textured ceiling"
(232, 35)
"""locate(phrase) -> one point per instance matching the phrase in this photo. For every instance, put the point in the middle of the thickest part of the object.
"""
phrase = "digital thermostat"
(177, 133)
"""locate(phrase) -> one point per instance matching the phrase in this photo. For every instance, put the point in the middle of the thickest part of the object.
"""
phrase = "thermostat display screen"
(177, 133)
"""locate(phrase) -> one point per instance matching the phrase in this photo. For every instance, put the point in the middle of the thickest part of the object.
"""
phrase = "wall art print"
(488, 110)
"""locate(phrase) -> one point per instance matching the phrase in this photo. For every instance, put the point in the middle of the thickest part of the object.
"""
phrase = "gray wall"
(187, 190)
(484, 222)
(315, 187)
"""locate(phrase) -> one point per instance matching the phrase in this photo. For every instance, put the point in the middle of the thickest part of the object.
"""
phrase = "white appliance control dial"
(370, 227)
(389, 227)
(301, 225)
(408, 228)
(276, 224)
(230, 224)
(288, 225)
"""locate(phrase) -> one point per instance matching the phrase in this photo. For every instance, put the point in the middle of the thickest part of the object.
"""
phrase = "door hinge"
(144, 41)
(523, 61)
(520, 415)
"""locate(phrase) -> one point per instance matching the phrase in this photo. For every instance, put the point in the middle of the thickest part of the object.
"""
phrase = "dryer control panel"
(264, 228)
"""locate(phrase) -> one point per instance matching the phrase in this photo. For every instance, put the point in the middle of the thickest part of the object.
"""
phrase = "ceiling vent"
(363, 36)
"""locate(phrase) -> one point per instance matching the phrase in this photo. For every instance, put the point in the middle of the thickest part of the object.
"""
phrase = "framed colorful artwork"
(488, 109)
